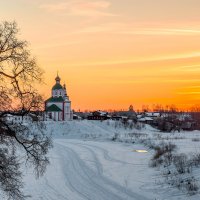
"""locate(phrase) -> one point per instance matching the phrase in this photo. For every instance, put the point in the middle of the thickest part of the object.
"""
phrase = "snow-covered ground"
(87, 165)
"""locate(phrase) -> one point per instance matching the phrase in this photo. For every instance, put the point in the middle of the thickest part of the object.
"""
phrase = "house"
(82, 115)
(124, 114)
(146, 120)
(76, 117)
(188, 125)
(152, 114)
(58, 106)
(116, 117)
(98, 115)
(16, 118)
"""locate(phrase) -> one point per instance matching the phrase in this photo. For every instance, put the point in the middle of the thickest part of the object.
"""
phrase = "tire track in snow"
(77, 177)
(106, 154)
(86, 182)
(98, 165)
(55, 191)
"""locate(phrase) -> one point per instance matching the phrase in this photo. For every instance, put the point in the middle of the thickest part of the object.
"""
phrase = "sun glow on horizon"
(112, 54)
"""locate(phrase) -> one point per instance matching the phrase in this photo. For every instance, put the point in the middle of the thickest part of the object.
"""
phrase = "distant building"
(146, 120)
(149, 118)
(130, 114)
(116, 117)
(152, 114)
(76, 117)
(99, 115)
(82, 115)
(58, 106)
(18, 119)
(29, 117)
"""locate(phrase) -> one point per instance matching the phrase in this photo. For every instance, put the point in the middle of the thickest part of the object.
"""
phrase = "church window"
(50, 115)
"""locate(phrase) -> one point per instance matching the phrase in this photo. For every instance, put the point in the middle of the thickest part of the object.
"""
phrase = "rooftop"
(57, 86)
(53, 108)
(55, 99)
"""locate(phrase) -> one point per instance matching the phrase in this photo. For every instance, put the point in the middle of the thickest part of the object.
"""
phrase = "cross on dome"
(57, 78)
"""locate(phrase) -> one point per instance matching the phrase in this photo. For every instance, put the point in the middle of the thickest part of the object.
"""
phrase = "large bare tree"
(19, 73)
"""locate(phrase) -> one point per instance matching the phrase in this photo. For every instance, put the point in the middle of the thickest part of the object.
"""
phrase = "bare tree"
(18, 97)
(157, 108)
(145, 108)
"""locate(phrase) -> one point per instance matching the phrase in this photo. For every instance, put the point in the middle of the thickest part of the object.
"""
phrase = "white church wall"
(58, 93)
(67, 110)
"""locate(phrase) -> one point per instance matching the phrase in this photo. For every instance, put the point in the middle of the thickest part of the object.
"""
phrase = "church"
(58, 106)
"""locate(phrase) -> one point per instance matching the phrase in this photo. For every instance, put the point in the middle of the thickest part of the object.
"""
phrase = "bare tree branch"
(18, 97)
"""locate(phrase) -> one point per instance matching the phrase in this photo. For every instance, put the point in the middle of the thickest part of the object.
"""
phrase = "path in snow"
(90, 184)
(85, 170)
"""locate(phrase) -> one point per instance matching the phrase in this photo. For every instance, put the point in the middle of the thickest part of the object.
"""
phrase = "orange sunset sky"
(113, 53)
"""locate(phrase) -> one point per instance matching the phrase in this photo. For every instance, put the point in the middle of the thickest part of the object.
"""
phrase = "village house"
(99, 115)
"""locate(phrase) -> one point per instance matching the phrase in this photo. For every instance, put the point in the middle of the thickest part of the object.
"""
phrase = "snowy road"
(90, 183)
(87, 165)
(83, 170)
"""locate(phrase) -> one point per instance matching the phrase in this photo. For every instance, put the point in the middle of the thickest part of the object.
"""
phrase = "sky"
(113, 53)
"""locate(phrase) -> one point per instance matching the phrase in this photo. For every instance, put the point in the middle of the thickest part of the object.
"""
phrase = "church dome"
(57, 86)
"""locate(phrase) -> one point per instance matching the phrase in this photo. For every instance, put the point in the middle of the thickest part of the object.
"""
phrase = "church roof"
(57, 86)
(53, 108)
(55, 99)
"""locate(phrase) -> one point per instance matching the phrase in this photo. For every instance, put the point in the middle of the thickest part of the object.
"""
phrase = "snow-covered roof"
(102, 113)
(139, 116)
(152, 114)
(74, 115)
(144, 119)
(184, 117)
(124, 117)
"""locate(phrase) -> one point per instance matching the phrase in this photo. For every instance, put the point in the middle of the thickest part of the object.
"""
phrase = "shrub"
(196, 139)
(163, 148)
(195, 160)
(192, 185)
(182, 164)
(163, 154)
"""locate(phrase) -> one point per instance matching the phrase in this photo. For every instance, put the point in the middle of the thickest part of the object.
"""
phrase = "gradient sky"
(113, 53)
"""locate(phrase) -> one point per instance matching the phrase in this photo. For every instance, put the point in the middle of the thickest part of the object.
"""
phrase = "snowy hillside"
(86, 129)
(103, 161)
